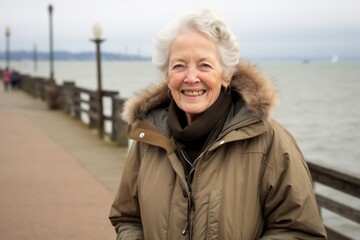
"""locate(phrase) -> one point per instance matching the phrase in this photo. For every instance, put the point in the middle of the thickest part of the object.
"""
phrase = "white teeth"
(194, 93)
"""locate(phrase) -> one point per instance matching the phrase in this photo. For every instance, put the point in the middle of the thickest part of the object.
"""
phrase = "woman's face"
(195, 74)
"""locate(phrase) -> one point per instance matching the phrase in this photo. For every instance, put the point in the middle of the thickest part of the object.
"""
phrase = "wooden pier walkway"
(57, 179)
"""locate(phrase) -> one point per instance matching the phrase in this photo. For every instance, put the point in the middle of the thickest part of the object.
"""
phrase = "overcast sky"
(264, 28)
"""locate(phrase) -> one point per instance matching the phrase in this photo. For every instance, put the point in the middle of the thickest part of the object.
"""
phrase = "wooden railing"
(77, 101)
(69, 98)
(348, 183)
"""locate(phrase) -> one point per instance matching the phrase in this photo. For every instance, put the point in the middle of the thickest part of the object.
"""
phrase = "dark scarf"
(194, 137)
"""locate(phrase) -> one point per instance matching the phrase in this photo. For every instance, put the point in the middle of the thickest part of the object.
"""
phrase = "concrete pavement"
(57, 179)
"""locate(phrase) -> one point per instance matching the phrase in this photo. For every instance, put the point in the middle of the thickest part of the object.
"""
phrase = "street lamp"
(7, 34)
(97, 40)
(50, 8)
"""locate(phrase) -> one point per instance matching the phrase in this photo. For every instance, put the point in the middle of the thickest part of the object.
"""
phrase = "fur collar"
(256, 89)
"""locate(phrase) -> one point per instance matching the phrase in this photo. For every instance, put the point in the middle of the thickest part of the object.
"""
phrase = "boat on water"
(335, 58)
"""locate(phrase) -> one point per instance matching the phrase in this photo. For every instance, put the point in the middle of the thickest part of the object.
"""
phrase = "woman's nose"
(191, 76)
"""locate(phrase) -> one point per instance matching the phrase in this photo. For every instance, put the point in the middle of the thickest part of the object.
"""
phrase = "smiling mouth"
(193, 93)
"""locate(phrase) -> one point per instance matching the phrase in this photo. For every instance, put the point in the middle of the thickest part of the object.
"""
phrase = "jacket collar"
(257, 90)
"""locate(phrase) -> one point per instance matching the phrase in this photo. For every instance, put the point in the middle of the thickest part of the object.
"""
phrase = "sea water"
(319, 105)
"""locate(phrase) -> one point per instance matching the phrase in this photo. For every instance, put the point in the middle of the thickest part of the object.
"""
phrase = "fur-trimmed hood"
(257, 90)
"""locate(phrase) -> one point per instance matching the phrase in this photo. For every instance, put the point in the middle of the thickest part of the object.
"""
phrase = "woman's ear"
(227, 80)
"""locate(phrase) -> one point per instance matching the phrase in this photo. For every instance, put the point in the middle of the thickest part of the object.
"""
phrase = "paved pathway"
(57, 179)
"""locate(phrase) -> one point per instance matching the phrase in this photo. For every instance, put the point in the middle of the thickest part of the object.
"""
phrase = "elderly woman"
(207, 161)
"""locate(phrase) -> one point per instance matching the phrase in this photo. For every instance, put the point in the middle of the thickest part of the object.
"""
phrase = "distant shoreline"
(72, 56)
(111, 56)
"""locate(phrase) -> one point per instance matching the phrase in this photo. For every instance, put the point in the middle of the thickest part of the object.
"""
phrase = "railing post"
(38, 85)
(52, 94)
(33, 86)
(42, 88)
(114, 105)
(119, 125)
(23, 84)
(93, 108)
(68, 97)
(76, 103)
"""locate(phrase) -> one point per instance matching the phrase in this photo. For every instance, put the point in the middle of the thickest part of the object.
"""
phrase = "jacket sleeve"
(125, 210)
(290, 209)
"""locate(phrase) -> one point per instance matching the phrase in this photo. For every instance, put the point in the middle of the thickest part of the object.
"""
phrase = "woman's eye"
(177, 66)
(205, 65)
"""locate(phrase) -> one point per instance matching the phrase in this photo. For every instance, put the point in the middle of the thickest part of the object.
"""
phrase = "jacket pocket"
(213, 225)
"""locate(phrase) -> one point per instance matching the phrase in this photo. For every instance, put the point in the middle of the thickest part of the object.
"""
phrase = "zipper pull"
(185, 229)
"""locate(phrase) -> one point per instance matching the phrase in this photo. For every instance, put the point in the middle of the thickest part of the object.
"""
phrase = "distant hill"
(79, 56)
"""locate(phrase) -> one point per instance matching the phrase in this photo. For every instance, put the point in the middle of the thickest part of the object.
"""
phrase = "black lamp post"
(7, 34)
(50, 8)
(97, 40)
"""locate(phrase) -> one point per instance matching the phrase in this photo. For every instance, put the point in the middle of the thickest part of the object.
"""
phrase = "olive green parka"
(250, 183)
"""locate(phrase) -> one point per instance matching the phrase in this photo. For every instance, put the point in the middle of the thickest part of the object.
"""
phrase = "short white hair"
(206, 22)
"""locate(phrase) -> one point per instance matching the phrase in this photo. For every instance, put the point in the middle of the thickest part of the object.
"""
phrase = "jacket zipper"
(190, 198)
